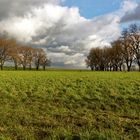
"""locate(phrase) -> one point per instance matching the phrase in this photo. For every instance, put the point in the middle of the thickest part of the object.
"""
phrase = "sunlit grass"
(69, 105)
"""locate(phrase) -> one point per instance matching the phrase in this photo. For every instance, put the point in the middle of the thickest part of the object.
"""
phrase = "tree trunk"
(30, 67)
(128, 68)
(116, 68)
(24, 67)
(44, 68)
(1, 67)
(15, 66)
(37, 67)
(113, 68)
(101, 68)
(120, 68)
(139, 65)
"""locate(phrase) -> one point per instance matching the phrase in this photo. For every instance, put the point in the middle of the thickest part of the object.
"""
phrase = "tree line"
(22, 55)
(125, 51)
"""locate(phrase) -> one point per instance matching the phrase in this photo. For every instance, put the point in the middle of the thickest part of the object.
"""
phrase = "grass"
(69, 105)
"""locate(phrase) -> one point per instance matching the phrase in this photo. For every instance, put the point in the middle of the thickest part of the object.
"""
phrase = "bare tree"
(117, 55)
(134, 36)
(98, 59)
(26, 55)
(14, 56)
(31, 56)
(90, 61)
(128, 52)
(131, 45)
(21, 55)
(45, 62)
(40, 57)
(93, 59)
(6, 46)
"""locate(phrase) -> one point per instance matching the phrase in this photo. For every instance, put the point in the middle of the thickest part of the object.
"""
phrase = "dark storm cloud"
(20, 7)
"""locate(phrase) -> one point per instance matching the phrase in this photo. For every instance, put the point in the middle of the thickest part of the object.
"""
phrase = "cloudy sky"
(67, 29)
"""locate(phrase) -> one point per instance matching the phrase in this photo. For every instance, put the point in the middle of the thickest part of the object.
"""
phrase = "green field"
(69, 105)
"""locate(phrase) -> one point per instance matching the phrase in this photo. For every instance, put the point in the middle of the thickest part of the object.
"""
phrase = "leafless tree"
(40, 57)
(6, 46)
(117, 55)
(131, 45)
(134, 36)
(26, 55)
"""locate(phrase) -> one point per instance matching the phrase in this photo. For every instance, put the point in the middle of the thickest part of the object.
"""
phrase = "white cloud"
(128, 6)
(68, 61)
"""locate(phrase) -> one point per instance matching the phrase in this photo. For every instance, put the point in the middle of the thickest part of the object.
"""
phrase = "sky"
(67, 29)
(92, 8)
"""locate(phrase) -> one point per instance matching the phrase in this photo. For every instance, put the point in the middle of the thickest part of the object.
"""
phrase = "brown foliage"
(25, 56)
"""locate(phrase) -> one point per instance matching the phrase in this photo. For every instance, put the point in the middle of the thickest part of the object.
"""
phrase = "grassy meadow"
(69, 105)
